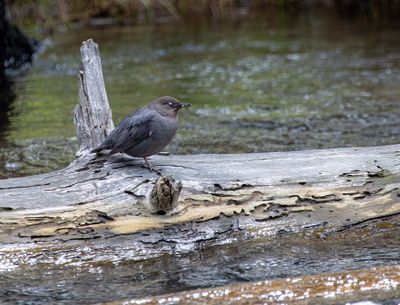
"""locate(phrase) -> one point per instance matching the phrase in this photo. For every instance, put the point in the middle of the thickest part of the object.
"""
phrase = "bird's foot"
(158, 171)
(153, 170)
(150, 168)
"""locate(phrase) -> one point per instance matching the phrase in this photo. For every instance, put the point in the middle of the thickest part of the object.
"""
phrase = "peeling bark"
(329, 188)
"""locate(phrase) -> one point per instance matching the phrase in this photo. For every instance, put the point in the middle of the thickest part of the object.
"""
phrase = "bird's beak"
(185, 105)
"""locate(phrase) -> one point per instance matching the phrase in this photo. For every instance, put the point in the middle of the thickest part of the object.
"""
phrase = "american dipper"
(146, 131)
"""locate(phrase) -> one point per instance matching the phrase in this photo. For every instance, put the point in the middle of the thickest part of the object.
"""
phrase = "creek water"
(69, 275)
(259, 84)
(262, 84)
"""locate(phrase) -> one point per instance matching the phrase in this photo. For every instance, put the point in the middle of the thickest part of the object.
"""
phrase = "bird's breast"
(164, 128)
(161, 134)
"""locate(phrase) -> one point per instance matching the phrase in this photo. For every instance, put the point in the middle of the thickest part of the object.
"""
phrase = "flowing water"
(260, 84)
(66, 276)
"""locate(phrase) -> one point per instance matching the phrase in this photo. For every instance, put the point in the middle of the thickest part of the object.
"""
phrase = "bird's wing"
(133, 130)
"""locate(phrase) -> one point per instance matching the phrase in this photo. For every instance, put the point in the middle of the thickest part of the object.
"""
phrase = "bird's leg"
(150, 167)
(148, 164)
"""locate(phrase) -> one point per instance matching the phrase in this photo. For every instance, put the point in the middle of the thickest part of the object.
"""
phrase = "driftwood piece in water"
(199, 197)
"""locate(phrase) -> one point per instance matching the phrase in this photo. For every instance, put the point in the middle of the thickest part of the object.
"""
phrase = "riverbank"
(44, 17)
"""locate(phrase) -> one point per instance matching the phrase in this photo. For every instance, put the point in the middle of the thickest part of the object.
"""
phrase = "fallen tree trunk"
(204, 196)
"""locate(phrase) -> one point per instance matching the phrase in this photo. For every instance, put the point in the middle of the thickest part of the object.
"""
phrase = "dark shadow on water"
(16, 51)
(7, 97)
(16, 54)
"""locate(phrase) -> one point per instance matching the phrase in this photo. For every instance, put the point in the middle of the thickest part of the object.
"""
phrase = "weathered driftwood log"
(204, 196)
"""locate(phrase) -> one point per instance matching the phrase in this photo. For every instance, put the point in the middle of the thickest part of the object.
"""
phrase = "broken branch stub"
(92, 117)
(164, 196)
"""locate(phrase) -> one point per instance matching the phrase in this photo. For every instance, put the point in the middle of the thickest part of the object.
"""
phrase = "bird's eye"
(170, 103)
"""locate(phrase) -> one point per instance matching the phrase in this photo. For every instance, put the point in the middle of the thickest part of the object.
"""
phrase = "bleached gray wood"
(333, 188)
(92, 117)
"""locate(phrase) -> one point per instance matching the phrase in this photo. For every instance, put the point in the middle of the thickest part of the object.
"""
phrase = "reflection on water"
(65, 275)
(288, 83)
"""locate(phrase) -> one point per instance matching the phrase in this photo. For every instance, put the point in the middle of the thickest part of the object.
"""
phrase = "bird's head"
(167, 105)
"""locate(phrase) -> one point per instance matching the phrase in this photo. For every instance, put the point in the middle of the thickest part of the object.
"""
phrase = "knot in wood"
(164, 195)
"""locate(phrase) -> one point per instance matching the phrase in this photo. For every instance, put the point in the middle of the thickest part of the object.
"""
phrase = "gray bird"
(146, 131)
